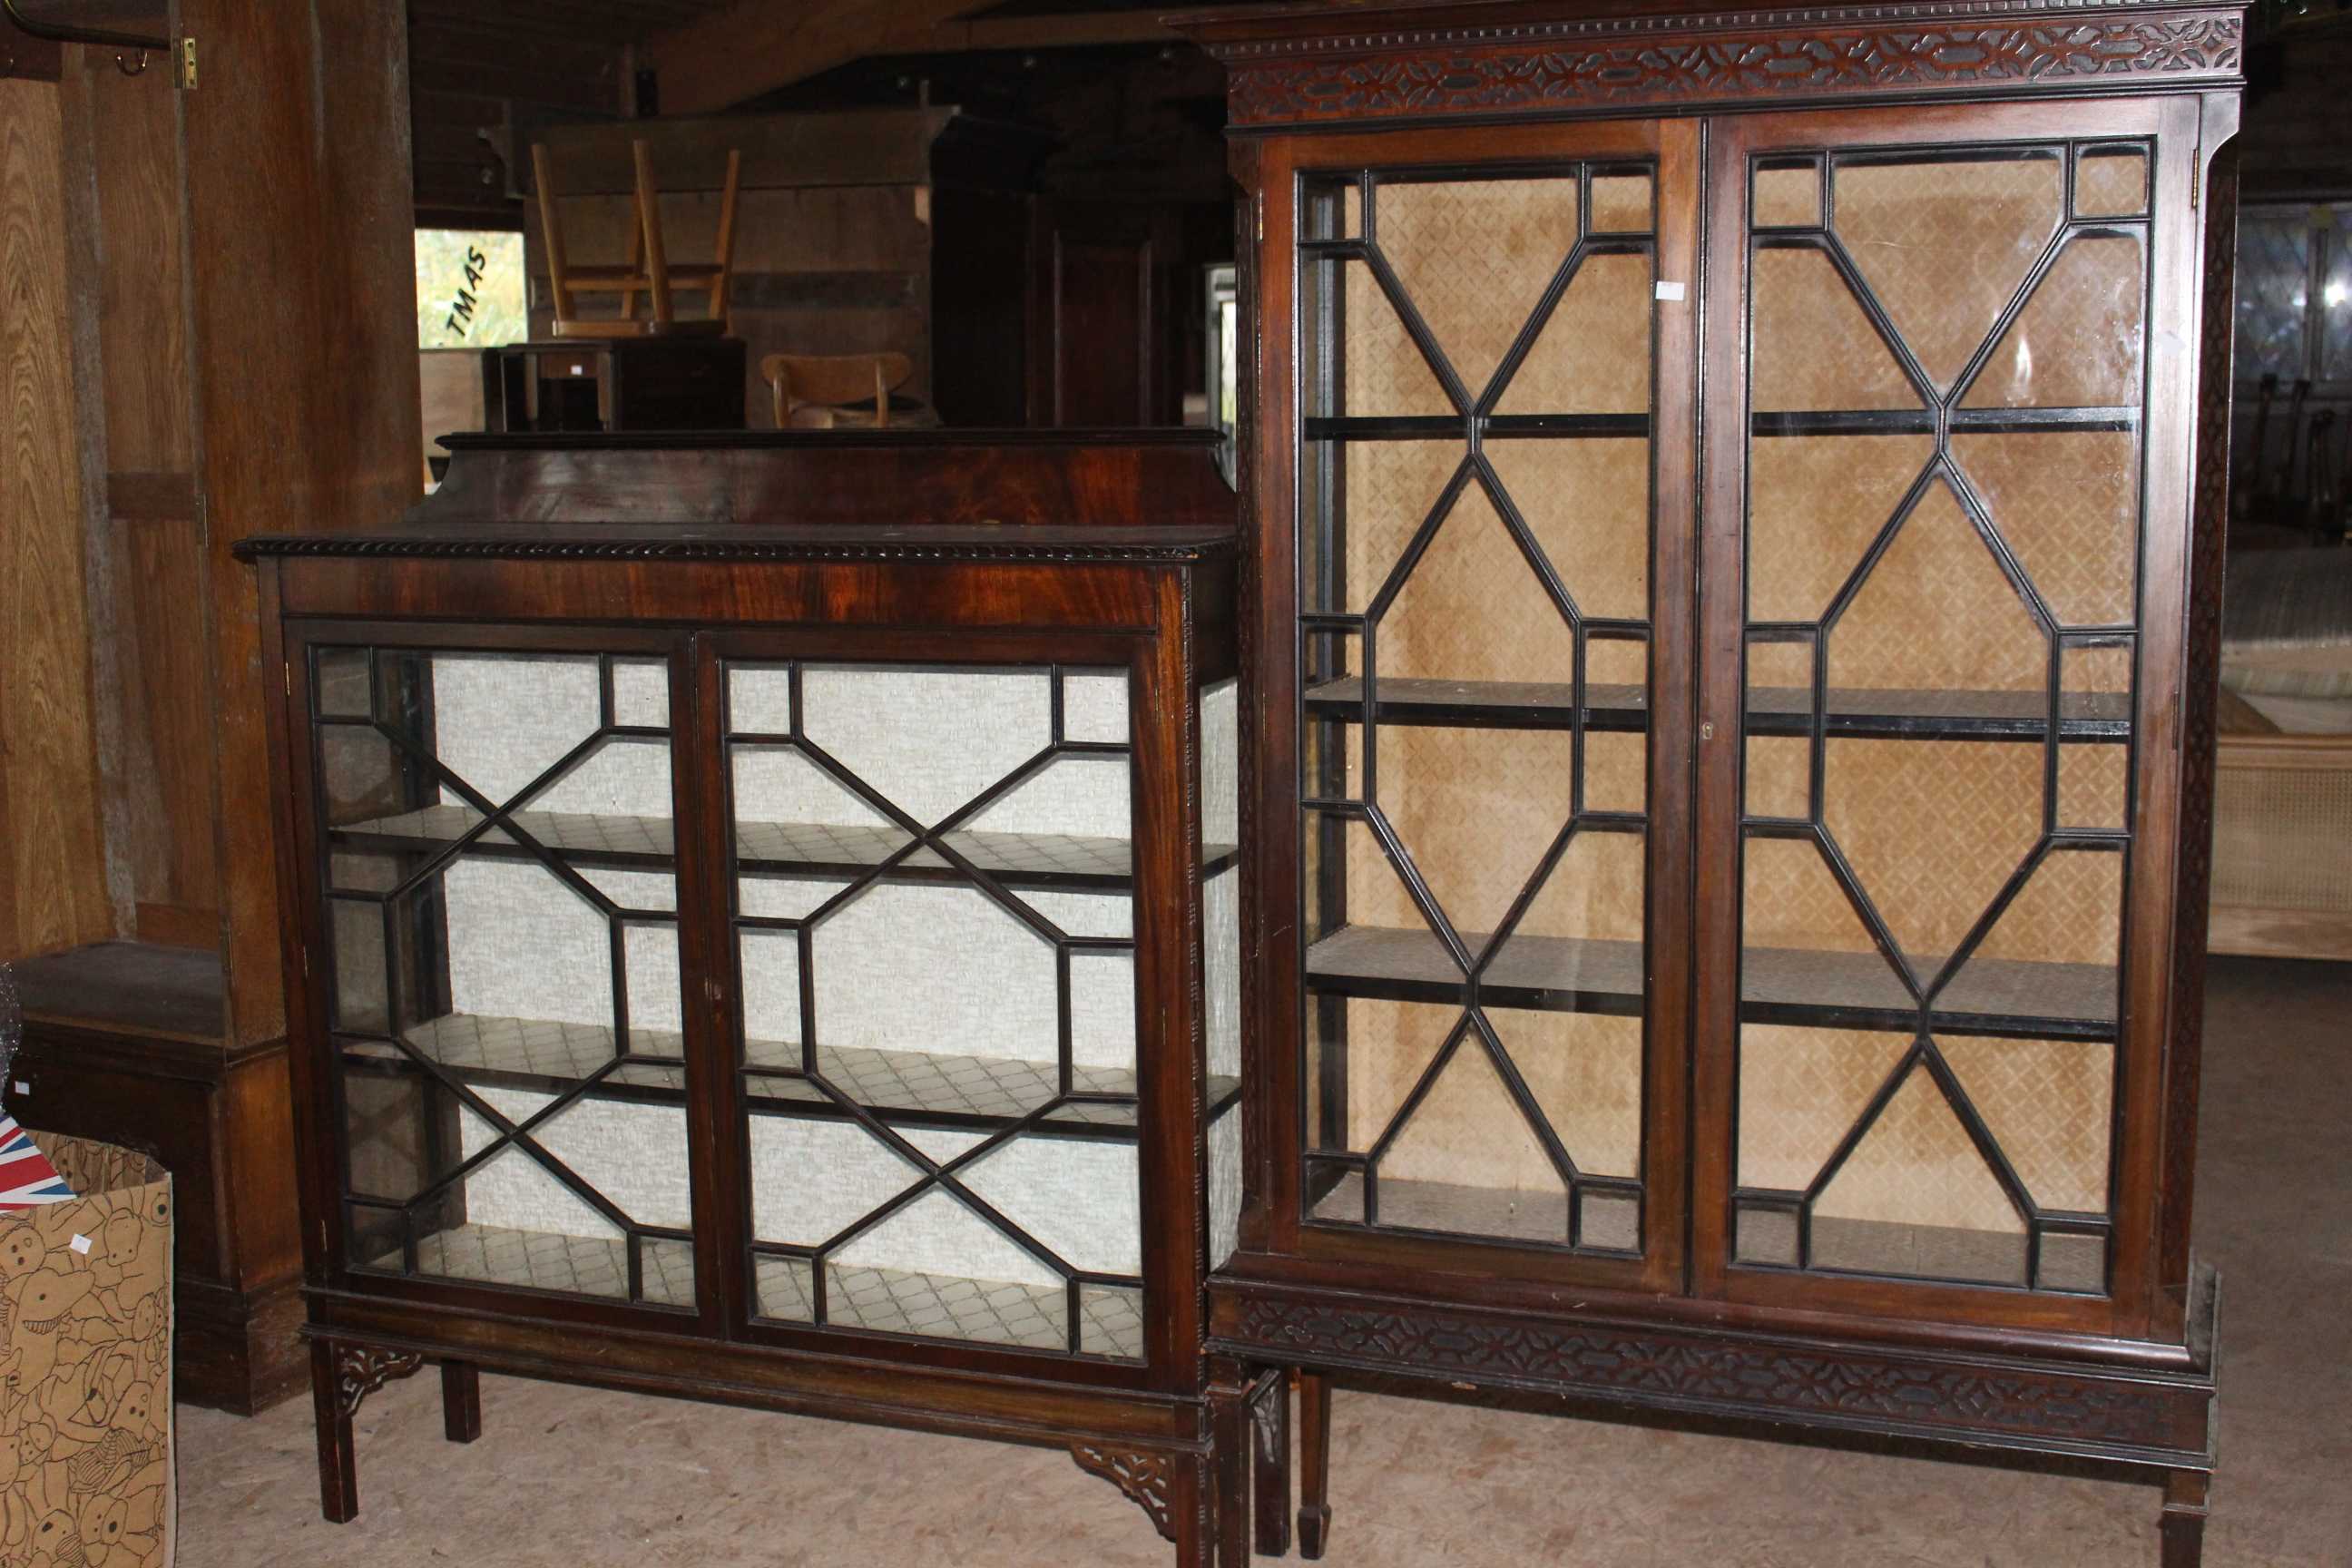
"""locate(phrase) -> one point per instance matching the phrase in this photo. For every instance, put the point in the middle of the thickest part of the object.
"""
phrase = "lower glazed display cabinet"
(791, 963)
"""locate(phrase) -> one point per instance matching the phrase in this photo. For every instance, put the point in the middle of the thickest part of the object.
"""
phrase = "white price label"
(80, 1244)
(1670, 290)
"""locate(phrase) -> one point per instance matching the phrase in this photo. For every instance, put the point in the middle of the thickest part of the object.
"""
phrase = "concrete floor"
(577, 1479)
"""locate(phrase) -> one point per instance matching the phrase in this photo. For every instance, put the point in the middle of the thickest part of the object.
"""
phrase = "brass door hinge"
(186, 63)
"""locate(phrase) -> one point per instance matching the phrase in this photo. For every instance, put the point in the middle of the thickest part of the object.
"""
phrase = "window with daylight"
(469, 289)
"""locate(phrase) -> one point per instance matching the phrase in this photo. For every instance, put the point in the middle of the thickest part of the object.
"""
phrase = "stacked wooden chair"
(648, 272)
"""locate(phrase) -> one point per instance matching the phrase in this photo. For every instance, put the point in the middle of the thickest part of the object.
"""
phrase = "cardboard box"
(86, 1473)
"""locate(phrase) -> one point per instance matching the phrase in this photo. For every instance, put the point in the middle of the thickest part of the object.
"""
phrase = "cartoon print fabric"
(86, 1478)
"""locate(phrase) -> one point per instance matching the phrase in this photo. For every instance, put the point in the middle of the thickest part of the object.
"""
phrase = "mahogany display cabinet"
(763, 923)
(1737, 538)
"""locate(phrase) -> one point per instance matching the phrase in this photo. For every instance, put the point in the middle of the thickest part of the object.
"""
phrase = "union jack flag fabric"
(27, 1180)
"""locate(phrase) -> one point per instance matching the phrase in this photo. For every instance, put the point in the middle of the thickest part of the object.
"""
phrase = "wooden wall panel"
(304, 348)
(152, 658)
(52, 871)
(159, 624)
(134, 133)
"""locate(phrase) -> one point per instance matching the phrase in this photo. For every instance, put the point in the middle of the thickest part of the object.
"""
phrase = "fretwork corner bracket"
(1147, 1479)
(360, 1370)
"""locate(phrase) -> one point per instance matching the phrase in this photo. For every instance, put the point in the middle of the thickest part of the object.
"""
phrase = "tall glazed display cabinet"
(1737, 509)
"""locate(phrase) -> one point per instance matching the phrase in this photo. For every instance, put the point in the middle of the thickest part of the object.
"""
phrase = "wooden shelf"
(1612, 1221)
(1454, 426)
(1067, 861)
(1962, 421)
(1449, 1208)
(1564, 975)
(1771, 710)
(1942, 715)
(1778, 985)
(546, 1260)
(919, 1088)
(952, 1306)
(1484, 704)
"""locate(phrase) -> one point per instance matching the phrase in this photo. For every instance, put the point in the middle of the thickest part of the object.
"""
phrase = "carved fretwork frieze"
(1859, 1388)
(1147, 1479)
(360, 1370)
(1429, 72)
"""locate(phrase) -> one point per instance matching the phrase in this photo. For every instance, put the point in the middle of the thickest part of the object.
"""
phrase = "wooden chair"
(812, 390)
(648, 270)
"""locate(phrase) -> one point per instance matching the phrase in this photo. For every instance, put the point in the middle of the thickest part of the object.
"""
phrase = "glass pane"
(931, 1153)
(1931, 912)
(1936, 613)
(1486, 607)
(1816, 504)
(2078, 342)
(1592, 355)
(2067, 504)
(1221, 958)
(2111, 182)
(1385, 374)
(1787, 194)
(1476, 258)
(1914, 1196)
(1464, 1155)
(1470, 607)
(1944, 244)
(1620, 203)
(507, 998)
(1814, 345)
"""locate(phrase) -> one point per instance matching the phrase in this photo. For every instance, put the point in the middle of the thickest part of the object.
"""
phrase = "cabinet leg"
(2186, 1493)
(461, 1401)
(1229, 1429)
(1195, 1520)
(1315, 1463)
(1270, 1454)
(338, 1487)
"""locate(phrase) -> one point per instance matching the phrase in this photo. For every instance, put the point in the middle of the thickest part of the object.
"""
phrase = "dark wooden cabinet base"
(1163, 1458)
(238, 1350)
(2143, 1421)
(121, 1045)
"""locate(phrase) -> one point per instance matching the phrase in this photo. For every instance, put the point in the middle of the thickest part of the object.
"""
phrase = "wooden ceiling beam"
(757, 45)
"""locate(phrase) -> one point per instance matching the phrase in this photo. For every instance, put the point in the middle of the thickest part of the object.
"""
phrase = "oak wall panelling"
(52, 886)
(214, 353)
(151, 653)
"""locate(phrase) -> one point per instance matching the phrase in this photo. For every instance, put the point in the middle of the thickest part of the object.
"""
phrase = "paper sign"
(1670, 290)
